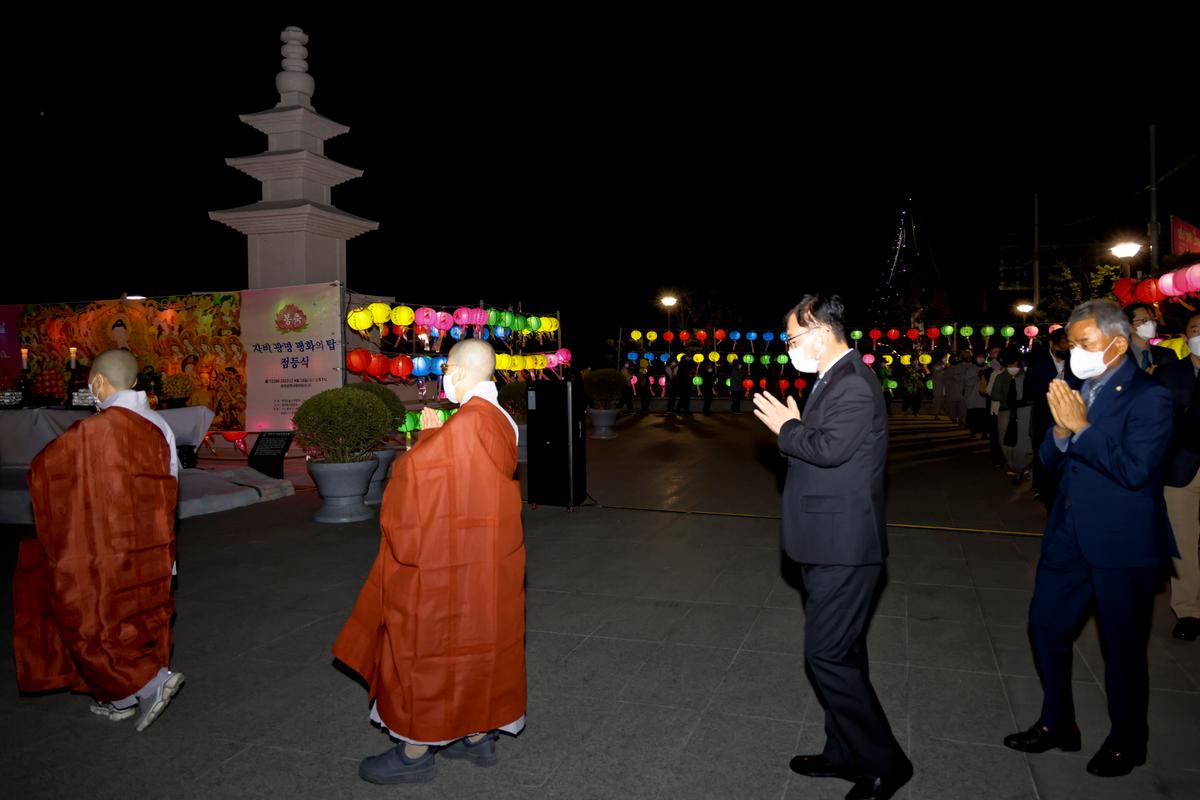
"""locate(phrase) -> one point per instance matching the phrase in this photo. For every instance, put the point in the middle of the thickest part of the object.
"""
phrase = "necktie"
(1146, 359)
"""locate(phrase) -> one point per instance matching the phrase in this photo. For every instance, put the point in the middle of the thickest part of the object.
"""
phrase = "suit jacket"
(1110, 491)
(1183, 456)
(833, 501)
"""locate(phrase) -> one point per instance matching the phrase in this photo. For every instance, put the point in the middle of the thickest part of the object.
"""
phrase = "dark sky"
(586, 175)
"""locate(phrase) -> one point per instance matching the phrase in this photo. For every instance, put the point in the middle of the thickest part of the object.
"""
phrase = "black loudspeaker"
(557, 468)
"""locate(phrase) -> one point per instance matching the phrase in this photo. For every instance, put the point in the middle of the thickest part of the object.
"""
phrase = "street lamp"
(1024, 307)
(1126, 251)
(669, 302)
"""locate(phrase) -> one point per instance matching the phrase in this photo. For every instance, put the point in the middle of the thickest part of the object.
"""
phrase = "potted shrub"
(384, 452)
(514, 397)
(605, 388)
(340, 428)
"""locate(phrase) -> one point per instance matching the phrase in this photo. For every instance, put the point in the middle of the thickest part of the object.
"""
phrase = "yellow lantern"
(887, 360)
(732, 357)
(518, 362)
(925, 358)
(549, 324)
(714, 356)
(503, 361)
(635, 335)
(402, 315)
(380, 313)
(906, 360)
(680, 356)
(651, 336)
(359, 319)
(698, 358)
(542, 362)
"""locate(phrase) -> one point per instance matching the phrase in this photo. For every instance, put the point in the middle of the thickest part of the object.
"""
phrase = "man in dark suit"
(834, 527)
(1047, 366)
(1143, 319)
(1106, 539)
(1182, 479)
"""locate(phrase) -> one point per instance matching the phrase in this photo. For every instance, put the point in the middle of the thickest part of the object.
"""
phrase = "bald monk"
(438, 631)
(92, 591)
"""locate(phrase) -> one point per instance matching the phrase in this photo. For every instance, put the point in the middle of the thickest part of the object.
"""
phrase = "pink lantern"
(443, 321)
(1166, 285)
(1188, 278)
(425, 316)
(868, 359)
(633, 380)
(564, 356)
(462, 316)
(479, 316)
(1055, 327)
(552, 360)
(1031, 331)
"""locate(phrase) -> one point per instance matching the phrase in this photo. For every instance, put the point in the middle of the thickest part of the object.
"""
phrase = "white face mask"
(1086, 364)
(1013, 370)
(1194, 345)
(1147, 329)
(448, 388)
(804, 364)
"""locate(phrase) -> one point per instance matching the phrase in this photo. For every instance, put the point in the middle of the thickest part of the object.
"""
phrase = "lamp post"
(668, 302)
(1024, 308)
(1126, 251)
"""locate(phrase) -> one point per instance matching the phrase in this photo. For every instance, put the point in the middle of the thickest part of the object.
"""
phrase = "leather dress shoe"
(1187, 629)
(880, 788)
(818, 766)
(1110, 762)
(1039, 739)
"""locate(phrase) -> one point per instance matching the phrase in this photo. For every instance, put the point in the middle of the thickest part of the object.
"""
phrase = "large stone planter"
(385, 457)
(342, 487)
(602, 422)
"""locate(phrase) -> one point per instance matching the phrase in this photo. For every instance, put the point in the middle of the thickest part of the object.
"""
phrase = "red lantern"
(784, 383)
(1124, 290)
(702, 335)
(379, 365)
(747, 384)
(763, 384)
(233, 436)
(720, 334)
(913, 334)
(800, 383)
(684, 336)
(358, 360)
(668, 336)
(893, 334)
(399, 330)
(933, 333)
(401, 366)
(1147, 291)
(875, 334)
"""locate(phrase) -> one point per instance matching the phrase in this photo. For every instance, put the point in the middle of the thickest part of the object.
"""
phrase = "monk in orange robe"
(92, 590)
(438, 631)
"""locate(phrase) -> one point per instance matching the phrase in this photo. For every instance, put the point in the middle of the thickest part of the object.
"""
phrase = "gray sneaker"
(112, 712)
(153, 700)
(481, 753)
(395, 767)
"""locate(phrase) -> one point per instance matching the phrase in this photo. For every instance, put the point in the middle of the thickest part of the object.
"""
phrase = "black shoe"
(1187, 629)
(818, 766)
(1112, 763)
(1039, 739)
(880, 788)
(396, 767)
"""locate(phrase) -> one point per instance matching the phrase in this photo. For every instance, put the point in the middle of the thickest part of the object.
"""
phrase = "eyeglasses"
(787, 342)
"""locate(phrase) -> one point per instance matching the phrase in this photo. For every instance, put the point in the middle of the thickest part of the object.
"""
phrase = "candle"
(72, 349)
(24, 358)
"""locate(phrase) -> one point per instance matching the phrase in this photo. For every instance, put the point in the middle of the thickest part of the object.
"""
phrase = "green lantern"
(929, 384)
(506, 319)
(893, 385)
(493, 317)
(987, 330)
(696, 381)
(765, 360)
(443, 414)
(727, 383)
(412, 422)
(534, 323)
(520, 322)
(782, 358)
(1007, 331)
(856, 335)
(947, 330)
(966, 330)
(748, 358)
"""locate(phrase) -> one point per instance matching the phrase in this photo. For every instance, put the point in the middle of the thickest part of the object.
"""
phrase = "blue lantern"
(665, 357)
(632, 356)
(769, 336)
(420, 366)
(752, 336)
(456, 332)
(439, 365)
(735, 335)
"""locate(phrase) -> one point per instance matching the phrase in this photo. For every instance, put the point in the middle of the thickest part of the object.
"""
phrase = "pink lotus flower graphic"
(290, 319)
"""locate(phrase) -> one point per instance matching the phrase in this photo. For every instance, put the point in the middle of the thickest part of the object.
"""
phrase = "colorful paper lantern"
(868, 359)
(425, 316)
(893, 385)
(684, 336)
(925, 358)
(421, 366)
(665, 357)
(702, 336)
(380, 312)
(1053, 328)
(698, 358)
(503, 361)
(1166, 285)
(401, 366)
(635, 335)
(752, 336)
(747, 384)
(784, 385)
(748, 358)
(800, 383)
(735, 335)
(987, 330)
(1147, 291)
(947, 330)
(507, 318)
(456, 333)
(668, 336)
(764, 360)
(966, 330)
(439, 365)
(769, 336)
(479, 316)
(534, 323)
(402, 315)
(651, 336)
(720, 334)
(1031, 331)
(518, 362)
(875, 334)
(697, 380)
(358, 359)
(893, 334)
(680, 356)
(856, 335)
(731, 357)
(462, 316)
(632, 356)
(714, 356)
(933, 333)
(888, 360)
(564, 355)
(520, 322)
(762, 384)
(379, 366)
(913, 334)
(929, 384)
(782, 358)
(1124, 289)
(359, 319)
(493, 316)
(1007, 331)
(906, 360)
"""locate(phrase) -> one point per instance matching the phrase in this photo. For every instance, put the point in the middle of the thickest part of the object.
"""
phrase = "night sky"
(587, 174)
